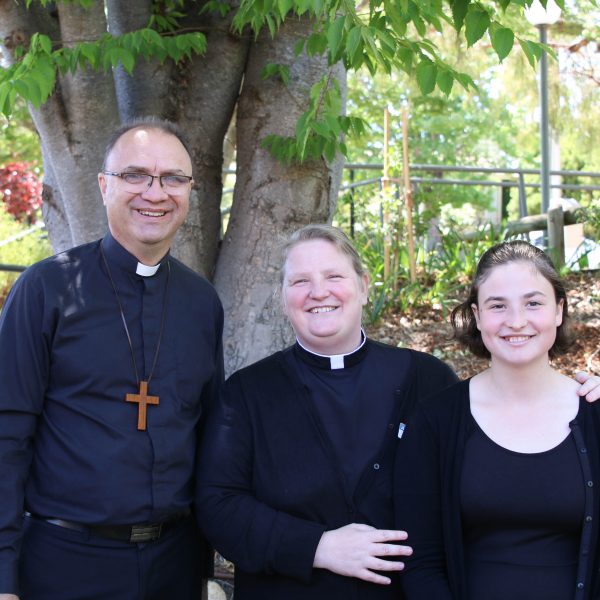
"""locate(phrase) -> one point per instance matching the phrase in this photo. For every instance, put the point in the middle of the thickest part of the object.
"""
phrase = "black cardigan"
(269, 485)
(427, 496)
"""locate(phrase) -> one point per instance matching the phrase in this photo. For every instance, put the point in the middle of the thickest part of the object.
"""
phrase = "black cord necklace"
(142, 398)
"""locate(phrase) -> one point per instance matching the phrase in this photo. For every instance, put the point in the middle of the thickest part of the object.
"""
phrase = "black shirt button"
(391, 426)
(588, 518)
(580, 586)
(376, 466)
(590, 483)
(583, 450)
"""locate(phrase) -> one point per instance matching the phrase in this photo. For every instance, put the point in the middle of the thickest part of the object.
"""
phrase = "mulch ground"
(429, 330)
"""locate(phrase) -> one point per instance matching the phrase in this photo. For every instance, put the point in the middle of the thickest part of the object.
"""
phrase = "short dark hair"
(462, 317)
(149, 122)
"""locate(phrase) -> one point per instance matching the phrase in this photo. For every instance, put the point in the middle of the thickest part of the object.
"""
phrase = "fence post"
(522, 197)
(556, 235)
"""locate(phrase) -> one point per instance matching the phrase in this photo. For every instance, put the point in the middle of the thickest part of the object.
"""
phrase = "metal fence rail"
(520, 184)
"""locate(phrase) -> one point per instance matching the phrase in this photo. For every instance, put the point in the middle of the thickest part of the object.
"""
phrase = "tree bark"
(208, 89)
(270, 200)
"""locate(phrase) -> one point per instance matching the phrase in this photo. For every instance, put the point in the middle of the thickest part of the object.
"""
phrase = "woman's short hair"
(328, 233)
(462, 317)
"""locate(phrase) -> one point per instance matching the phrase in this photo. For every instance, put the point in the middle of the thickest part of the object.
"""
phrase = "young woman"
(501, 498)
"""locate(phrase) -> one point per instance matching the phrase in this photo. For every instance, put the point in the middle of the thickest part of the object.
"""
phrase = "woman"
(500, 501)
(295, 472)
(296, 468)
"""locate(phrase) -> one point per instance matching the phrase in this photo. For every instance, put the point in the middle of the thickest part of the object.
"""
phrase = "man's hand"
(590, 388)
(353, 551)
(8, 597)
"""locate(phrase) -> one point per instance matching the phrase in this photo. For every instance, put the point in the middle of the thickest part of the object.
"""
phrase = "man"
(109, 355)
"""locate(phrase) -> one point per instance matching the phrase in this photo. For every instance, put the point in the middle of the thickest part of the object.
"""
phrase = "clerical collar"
(333, 361)
(119, 256)
(145, 270)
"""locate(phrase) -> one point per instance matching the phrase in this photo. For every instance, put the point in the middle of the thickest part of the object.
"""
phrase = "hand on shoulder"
(590, 386)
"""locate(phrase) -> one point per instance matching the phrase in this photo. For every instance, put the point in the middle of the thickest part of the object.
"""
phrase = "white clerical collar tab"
(337, 361)
(145, 270)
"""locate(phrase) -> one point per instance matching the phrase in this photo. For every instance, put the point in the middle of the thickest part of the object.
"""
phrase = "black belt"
(134, 534)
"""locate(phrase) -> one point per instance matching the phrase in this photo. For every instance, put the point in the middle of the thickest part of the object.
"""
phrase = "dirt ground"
(429, 330)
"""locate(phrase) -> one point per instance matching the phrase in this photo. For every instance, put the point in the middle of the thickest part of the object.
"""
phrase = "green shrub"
(18, 249)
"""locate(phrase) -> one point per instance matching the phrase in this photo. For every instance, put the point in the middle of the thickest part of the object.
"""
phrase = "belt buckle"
(145, 533)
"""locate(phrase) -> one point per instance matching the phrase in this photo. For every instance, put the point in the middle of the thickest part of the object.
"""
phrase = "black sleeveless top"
(522, 516)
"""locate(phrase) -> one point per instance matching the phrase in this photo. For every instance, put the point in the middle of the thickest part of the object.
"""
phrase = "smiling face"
(517, 314)
(323, 297)
(145, 222)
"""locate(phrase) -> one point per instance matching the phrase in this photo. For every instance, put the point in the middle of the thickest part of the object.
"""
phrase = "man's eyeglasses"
(140, 182)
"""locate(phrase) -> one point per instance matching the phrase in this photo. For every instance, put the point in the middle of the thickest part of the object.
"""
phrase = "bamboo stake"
(408, 194)
(385, 182)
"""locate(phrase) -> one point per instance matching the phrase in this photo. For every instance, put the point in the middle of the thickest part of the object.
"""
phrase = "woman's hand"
(590, 388)
(353, 551)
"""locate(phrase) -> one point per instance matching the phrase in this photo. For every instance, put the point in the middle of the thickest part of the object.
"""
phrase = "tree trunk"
(270, 200)
(201, 94)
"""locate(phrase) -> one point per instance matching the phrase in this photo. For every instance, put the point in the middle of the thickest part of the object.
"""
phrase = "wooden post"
(556, 235)
(385, 189)
(408, 195)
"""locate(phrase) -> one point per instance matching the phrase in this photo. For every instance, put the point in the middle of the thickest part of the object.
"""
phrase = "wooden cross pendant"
(143, 400)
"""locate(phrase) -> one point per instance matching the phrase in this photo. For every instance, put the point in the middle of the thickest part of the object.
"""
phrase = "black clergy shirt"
(69, 444)
(354, 403)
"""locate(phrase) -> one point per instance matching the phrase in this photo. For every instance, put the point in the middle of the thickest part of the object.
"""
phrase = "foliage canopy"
(381, 36)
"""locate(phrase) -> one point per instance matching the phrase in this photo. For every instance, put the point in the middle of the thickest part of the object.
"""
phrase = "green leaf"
(459, 12)
(320, 128)
(127, 60)
(335, 33)
(45, 44)
(395, 17)
(45, 74)
(465, 80)
(420, 25)
(152, 38)
(274, 70)
(476, 23)
(316, 44)
(22, 88)
(34, 92)
(7, 98)
(333, 125)
(502, 41)
(426, 76)
(354, 42)
(406, 56)
(91, 52)
(284, 6)
(44, 82)
(445, 81)
(172, 50)
(530, 51)
(299, 46)
(330, 150)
